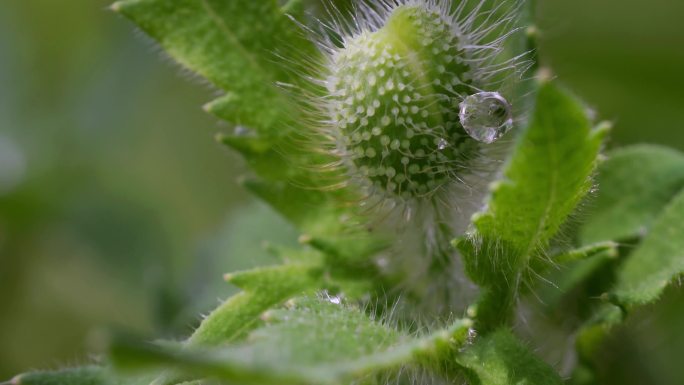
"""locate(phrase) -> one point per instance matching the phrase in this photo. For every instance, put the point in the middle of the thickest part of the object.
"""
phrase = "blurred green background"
(118, 209)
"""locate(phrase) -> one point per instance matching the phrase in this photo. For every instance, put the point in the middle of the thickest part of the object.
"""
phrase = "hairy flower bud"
(396, 94)
(407, 104)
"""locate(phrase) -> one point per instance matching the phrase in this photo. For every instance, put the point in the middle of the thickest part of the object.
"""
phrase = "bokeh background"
(119, 210)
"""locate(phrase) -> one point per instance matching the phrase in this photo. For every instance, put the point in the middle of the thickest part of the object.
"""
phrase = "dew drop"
(442, 144)
(486, 116)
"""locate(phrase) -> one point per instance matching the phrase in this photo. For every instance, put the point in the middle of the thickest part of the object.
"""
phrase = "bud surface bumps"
(395, 95)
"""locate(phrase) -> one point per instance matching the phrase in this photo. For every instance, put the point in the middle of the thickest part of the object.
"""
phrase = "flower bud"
(395, 99)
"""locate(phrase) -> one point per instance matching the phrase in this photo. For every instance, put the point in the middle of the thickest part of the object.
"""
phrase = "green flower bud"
(395, 102)
(414, 94)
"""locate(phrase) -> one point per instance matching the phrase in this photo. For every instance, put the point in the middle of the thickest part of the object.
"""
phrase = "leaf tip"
(612, 249)
(612, 298)
(602, 129)
(305, 239)
(267, 316)
(242, 181)
(208, 107)
(220, 137)
(494, 187)
(291, 303)
(544, 76)
(471, 312)
(215, 107)
(478, 216)
(118, 6)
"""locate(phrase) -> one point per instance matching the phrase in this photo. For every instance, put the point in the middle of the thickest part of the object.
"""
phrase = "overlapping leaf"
(263, 288)
(575, 267)
(500, 359)
(317, 341)
(635, 184)
(656, 262)
(641, 196)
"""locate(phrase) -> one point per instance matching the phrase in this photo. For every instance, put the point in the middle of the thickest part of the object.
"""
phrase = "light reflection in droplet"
(486, 116)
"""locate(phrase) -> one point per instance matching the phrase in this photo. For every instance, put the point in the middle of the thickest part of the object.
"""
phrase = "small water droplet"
(442, 144)
(486, 116)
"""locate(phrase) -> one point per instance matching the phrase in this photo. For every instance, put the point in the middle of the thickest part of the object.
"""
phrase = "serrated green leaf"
(233, 44)
(635, 184)
(318, 341)
(656, 262)
(263, 288)
(310, 210)
(328, 226)
(546, 177)
(500, 359)
(641, 279)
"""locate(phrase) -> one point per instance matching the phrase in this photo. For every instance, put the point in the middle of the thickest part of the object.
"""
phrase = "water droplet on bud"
(442, 144)
(486, 116)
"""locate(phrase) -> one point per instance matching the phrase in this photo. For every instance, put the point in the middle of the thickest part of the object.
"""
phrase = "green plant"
(375, 293)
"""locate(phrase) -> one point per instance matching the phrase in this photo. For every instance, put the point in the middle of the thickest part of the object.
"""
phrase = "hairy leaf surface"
(317, 341)
(548, 174)
(635, 184)
(233, 44)
(500, 359)
(657, 261)
(263, 288)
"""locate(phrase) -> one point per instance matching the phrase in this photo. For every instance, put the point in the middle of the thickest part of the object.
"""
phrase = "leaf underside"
(656, 262)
